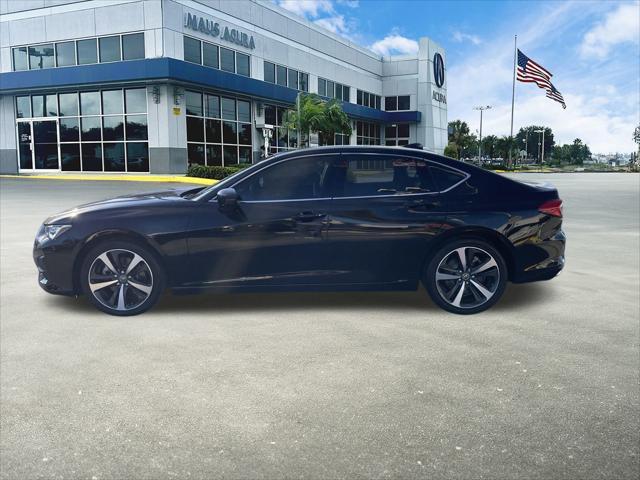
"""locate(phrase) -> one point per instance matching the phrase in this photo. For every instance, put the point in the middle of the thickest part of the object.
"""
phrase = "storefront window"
(283, 139)
(367, 133)
(109, 49)
(20, 59)
(87, 51)
(222, 136)
(65, 54)
(41, 56)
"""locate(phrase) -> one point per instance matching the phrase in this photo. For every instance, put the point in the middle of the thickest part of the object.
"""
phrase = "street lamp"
(542, 149)
(482, 109)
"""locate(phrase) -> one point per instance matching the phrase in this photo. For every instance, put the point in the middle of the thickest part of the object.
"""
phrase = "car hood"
(142, 200)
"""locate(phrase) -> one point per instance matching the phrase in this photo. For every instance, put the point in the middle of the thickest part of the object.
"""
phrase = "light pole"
(482, 109)
(542, 149)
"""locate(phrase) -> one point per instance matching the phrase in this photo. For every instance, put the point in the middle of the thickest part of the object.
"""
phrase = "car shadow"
(515, 297)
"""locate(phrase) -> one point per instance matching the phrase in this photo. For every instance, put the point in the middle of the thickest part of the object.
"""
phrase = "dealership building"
(155, 86)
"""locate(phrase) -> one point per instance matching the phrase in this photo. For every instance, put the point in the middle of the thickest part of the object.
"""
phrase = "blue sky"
(591, 47)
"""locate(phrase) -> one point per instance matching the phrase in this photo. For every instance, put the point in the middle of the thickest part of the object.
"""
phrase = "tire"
(115, 289)
(482, 282)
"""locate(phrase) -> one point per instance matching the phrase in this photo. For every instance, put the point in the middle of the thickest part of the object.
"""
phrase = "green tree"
(317, 115)
(489, 146)
(636, 136)
(527, 138)
(459, 134)
(579, 152)
(451, 150)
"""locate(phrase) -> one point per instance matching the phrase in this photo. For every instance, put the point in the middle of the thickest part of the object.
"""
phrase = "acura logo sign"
(438, 70)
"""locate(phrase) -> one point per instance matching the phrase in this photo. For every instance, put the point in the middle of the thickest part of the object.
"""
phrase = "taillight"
(552, 207)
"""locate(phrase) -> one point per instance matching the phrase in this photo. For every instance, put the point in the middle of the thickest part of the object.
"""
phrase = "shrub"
(213, 172)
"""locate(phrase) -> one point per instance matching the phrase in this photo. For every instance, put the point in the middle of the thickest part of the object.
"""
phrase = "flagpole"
(513, 94)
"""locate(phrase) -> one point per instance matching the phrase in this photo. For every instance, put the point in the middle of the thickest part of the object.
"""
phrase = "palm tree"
(313, 114)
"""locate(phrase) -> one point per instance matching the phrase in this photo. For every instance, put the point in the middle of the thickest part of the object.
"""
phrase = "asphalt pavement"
(330, 385)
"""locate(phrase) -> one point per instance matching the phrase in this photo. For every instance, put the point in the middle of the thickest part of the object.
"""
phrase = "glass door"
(25, 146)
(45, 145)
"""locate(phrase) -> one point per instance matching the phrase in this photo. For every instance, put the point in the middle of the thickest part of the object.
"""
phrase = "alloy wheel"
(467, 277)
(120, 279)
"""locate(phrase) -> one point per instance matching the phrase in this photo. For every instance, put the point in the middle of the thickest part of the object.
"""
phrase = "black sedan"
(331, 218)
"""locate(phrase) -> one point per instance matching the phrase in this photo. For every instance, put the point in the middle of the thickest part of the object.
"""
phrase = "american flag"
(529, 71)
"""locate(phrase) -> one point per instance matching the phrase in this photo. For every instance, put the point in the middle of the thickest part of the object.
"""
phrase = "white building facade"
(156, 86)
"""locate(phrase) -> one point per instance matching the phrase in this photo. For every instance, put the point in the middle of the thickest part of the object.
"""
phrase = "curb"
(120, 178)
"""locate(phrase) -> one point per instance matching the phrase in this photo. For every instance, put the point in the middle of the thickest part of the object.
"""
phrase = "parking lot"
(332, 385)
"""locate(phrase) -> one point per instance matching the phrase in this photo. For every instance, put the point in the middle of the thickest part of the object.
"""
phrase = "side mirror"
(227, 198)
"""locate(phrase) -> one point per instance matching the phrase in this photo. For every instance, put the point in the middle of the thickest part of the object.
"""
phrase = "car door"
(275, 236)
(384, 214)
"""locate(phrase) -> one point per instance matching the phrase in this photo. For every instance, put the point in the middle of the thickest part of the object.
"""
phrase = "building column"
(167, 129)
(8, 148)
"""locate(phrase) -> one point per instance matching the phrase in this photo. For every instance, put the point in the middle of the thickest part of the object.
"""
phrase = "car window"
(374, 175)
(299, 178)
(445, 178)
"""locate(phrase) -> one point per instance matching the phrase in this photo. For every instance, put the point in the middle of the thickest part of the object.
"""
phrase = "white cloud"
(460, 37)
(307, 8)
(349, 3)
(395, 44)
(335, 24)
(619, 26)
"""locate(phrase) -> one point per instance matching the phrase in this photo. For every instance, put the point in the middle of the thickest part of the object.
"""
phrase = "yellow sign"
(176, 110)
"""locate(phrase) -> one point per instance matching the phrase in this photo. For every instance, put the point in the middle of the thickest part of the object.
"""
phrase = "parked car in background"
(329, 218)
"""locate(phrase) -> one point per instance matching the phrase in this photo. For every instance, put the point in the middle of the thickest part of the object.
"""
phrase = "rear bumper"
(543, 260)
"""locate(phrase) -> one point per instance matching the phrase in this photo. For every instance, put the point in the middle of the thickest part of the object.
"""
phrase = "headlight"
(52, 231)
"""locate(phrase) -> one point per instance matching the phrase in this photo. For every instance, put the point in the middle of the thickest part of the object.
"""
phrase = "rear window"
(445, 178)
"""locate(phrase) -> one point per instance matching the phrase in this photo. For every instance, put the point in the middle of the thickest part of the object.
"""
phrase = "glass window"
(137, 157)
(338, 91)
(331, 89)
(69, 130)
(195, 154)
(91, 157)
(20, 59)
(87, 51)
(229, 132)
(242, 61)
(109, 49)
(41, 56)
(445, 178)
(270, 115)
(269, 72)
(113, 128)
(66, 54)
(390, 103)
(112, 102)
(228, 108)
(244, 111)
(214, 155)
(70, 157)
(193, 101)
(244, 154)
(210, 55)
(51, 106)
(297, 179)
(281, 75)
(68, 104)
(304, 82)
(293, 79)
(213, 131)
(90, 103)
(213, 106)
(90, 129)
(390, 132)
(137, 127)
(346, 93)
(378, 100)
(38, 106)
(322, 87)
(227, 61)
(133, 46)
(361, 176)
(23, 107)
(244, 133)
(403, 102)
(403, 130)
(114, 157)
(230, 154)
(192, 51)
(136, 100)
(359, 97)
(195, 129)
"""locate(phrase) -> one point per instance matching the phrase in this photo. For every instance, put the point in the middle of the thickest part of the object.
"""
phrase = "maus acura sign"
(210, 27)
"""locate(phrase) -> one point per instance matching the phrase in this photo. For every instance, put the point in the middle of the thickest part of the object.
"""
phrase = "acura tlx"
(328, 218)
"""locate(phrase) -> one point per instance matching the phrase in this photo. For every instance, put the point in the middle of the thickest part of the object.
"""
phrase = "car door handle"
(423, 205)
(309, 216)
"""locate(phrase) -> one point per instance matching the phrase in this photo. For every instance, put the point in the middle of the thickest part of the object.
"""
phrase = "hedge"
(213, 172)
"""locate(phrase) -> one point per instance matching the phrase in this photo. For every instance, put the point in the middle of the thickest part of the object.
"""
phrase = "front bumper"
(54, 261)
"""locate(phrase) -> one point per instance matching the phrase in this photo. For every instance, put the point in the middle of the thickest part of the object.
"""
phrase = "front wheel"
(466, 276)
(121, 278)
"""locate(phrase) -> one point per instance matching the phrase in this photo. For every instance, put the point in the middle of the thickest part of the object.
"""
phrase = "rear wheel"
(466, 276)
(121, 278)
